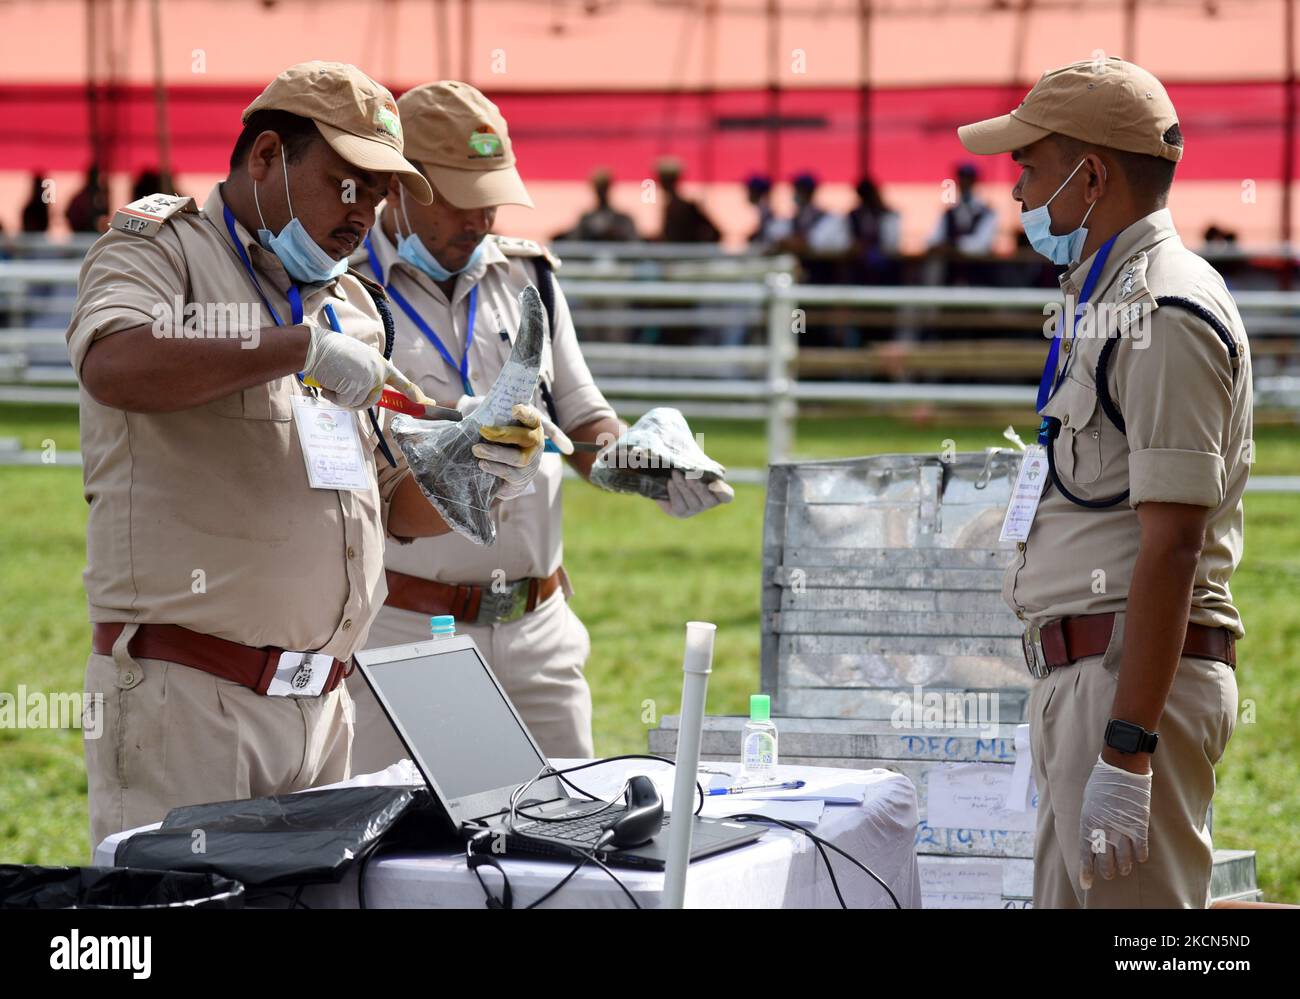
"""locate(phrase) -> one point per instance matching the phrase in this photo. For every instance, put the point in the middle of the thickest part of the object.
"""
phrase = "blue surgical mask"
(1037, 223)
(411, 249)
(301, 255)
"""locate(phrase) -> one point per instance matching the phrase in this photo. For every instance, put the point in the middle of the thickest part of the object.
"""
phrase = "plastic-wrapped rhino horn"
(440, 453)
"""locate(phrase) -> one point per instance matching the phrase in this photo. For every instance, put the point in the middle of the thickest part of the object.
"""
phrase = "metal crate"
(885, 572)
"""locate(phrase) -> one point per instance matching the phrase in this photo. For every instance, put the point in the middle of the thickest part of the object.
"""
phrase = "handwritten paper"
(974, 796)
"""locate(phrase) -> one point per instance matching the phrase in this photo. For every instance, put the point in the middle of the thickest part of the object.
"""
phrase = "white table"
(781, 870)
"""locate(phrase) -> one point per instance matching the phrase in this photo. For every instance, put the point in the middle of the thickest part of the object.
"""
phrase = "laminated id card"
(331, 445)
(1025, 495)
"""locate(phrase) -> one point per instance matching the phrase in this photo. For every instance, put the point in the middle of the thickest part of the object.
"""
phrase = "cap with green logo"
(357, 116)
(461, 140)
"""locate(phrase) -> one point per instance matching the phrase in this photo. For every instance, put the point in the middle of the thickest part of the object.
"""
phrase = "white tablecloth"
(781, 870)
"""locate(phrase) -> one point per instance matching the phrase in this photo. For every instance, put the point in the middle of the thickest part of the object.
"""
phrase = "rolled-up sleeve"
(125, 281)
(578, 401)
(1174, 389)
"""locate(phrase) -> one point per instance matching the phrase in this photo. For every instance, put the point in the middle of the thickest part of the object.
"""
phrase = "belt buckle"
(501, 608)
(300, 674)
(1031, 643)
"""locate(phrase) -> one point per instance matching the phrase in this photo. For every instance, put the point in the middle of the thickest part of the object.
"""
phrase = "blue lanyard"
(463, 367)
(294, 296)
(1047, 385)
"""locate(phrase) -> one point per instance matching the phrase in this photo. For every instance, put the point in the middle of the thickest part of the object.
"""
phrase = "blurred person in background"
(149, 182)
(88, 210)
(684, 221)
(604, 223)
(771, 228)
(965, 229)
(874, 228)
(36, 213)
(820, 239)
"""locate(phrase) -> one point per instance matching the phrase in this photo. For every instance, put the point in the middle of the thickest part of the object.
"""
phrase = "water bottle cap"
(442, 624)
(760, 707)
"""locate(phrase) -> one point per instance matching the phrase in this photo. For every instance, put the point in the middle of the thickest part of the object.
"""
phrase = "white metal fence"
(746, 380)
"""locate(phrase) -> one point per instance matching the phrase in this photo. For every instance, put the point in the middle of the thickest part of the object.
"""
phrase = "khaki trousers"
(172, 735)
(1068, 712)
(538, 659)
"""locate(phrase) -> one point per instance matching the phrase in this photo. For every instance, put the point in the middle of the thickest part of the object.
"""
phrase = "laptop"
(473, 750)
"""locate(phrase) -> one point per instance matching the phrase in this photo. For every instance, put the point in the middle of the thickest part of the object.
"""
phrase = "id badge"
(1025, 495)
(331, 445)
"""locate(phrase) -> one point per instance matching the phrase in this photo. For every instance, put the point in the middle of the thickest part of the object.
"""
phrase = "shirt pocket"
(1079, 444)
(270, 401)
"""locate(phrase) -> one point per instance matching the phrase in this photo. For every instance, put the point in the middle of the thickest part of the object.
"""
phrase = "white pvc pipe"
(697, 664)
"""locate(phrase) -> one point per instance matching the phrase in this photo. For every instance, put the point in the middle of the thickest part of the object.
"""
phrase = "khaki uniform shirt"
(528, 527)
(1187, 440)
(203, 517)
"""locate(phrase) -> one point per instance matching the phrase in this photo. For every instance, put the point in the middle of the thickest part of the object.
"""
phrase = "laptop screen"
(458, 722)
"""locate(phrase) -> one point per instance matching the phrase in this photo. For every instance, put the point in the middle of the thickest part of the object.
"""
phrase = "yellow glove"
(529, 438)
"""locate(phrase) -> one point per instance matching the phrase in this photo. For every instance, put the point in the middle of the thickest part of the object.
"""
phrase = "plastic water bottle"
(758, 757)
(443, 626)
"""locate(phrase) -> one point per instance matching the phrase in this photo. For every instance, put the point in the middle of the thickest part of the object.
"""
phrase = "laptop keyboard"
(584, 830)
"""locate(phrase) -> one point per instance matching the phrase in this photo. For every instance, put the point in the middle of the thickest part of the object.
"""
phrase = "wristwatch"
(1130, 738)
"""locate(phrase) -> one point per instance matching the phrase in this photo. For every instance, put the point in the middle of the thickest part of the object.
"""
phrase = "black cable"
(564, 881)
(515, 810)
(549, 771)
(601, 864)
(750, 817)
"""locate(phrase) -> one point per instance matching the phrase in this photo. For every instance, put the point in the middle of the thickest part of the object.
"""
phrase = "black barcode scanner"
(641, 821)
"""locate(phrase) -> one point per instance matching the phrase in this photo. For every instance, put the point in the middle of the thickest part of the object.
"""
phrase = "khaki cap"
(357, 116)
(461, 140)
(1105, 102)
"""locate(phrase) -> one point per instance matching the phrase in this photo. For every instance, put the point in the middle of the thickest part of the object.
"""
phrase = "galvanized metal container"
(885, 572)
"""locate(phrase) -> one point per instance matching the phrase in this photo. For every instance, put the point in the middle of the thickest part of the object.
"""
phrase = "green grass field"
(639, 576)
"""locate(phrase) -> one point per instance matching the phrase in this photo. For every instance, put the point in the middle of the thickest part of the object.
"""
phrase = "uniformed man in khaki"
(227, 590)
(1122, 580)
(456, 290)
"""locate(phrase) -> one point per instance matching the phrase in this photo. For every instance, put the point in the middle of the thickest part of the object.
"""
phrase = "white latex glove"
(1113, 823)
(350, 373)
(687, 497)
(468, 403)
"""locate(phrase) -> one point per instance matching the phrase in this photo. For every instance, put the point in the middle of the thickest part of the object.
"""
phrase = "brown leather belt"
(253, 667)
(1068, 639)
(468, 603)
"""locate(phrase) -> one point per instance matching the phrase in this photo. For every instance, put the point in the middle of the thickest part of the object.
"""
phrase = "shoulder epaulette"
(148, 215)
(513, 246)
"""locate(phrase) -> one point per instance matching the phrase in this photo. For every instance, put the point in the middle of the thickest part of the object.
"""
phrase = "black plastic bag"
(291, 839)
(27, 887)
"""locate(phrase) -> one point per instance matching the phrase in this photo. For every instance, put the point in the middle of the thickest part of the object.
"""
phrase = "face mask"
(301, 255)
(411, 249)
(1038, 227)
